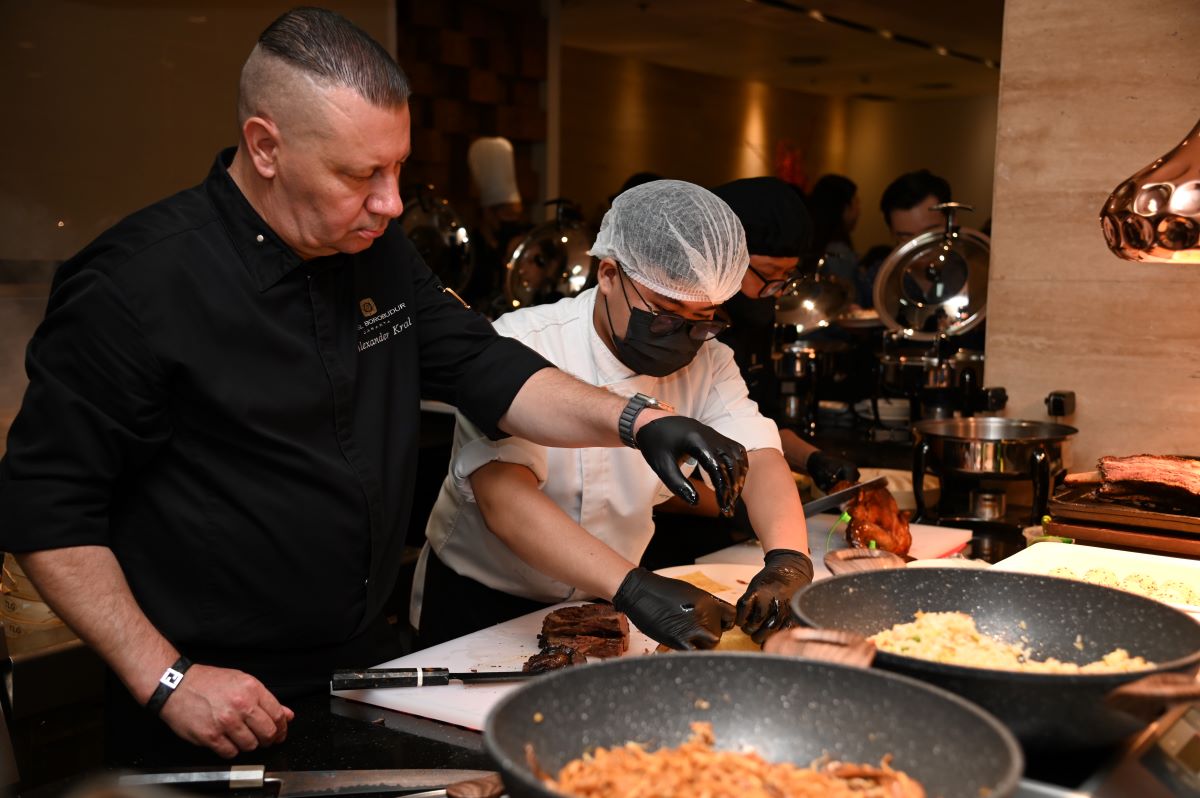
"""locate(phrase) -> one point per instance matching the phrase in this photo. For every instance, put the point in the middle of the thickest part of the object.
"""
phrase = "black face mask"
(647, 353)
(750, 314)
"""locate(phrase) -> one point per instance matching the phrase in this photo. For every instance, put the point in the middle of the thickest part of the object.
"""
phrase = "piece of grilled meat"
(551, 658)
(875, 516)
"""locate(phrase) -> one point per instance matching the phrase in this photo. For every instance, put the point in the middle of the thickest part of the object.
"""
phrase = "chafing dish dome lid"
(936, 284)
(439, 235)
(551, 262)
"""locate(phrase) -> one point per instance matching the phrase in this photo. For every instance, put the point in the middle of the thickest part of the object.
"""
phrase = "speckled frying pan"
(1045, 711)
(789, 710)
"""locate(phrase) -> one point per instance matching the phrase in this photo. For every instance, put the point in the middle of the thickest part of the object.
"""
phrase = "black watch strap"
(167, 683)
(637, 403)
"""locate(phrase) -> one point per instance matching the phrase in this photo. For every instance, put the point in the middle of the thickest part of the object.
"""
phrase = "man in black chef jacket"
(211, 473)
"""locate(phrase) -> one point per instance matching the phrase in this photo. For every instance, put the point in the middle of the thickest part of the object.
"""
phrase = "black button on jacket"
(239, 426)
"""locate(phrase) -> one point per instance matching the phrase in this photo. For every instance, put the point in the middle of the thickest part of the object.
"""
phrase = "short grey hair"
(334, 51)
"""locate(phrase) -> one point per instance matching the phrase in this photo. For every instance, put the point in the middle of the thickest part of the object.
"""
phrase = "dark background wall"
(478, 68)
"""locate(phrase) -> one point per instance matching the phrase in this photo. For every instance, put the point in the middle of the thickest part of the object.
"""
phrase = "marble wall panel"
(1090, 92)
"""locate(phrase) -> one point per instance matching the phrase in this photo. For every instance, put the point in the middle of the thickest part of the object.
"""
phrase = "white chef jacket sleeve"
(473, 450)
(728, 408)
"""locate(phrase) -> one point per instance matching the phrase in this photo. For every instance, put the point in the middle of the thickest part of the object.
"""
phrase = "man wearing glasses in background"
(778, 233)
(519, 526)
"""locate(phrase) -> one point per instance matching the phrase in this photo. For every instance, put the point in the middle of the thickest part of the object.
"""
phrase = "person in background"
(907, 206)
(502, 220)
(519, 526)
(215, 456)
(778, 232)
(635, 179)
(833, 203)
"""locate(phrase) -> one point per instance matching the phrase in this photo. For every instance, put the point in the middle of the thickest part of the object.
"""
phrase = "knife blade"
(373, 678)
(304, 783)
(840, 497)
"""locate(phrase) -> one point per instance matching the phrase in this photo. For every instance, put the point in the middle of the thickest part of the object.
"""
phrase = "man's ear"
(262, 145)
(606, 276)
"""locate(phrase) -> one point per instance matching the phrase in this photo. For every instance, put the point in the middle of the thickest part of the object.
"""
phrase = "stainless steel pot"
(992, 447)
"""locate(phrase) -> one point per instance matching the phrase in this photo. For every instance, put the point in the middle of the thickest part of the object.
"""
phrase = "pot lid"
(439, 235)
(551, 262)
(992, 428)
(812, 301)
(936, 284)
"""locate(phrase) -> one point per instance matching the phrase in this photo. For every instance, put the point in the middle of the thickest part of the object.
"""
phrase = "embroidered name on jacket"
(382, 326)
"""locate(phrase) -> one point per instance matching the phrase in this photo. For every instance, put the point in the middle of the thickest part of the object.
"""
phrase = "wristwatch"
(167, 683)
(637, 403)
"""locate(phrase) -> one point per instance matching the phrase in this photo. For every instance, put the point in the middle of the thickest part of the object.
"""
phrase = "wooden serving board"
(1142, 539)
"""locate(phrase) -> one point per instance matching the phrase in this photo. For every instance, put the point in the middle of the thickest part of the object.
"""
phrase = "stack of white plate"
(893, 413)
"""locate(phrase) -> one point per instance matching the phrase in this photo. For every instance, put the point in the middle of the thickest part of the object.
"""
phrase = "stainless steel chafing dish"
(439, 235)
(551, 262)
(936, 284)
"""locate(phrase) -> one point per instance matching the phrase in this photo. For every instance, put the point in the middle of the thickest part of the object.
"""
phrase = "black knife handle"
(388, 677)
(237, 777)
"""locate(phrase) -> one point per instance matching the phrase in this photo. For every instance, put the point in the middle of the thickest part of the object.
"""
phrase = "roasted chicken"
(874, 516)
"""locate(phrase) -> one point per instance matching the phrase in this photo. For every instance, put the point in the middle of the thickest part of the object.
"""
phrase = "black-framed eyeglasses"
(773, 287)
(667, 323)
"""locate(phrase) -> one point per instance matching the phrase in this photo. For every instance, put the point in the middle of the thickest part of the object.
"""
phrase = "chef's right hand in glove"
(827, 470)
(666, 441)
(673, 612)
(765, 607)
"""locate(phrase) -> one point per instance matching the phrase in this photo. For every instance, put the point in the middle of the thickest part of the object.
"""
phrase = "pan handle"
(1148, 697)
(827, 645)
(920, 456)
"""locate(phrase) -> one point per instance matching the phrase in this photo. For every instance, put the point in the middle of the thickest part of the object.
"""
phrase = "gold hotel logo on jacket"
(367, 306)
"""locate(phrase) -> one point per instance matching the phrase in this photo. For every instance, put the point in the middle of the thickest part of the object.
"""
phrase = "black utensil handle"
(237, 777)
(388, 677)
(920, 454)
(1039, 463)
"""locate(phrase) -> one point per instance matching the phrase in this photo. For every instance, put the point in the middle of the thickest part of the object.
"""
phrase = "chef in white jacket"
(518, 526)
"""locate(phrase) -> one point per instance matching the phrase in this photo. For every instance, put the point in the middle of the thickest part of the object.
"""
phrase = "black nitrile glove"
(666, 441)
(827, 470)
(765, 607)
(673, 612)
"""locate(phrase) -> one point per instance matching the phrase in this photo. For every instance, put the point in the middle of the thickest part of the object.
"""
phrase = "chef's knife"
(301, 783)
(416, 677)
(836, 499)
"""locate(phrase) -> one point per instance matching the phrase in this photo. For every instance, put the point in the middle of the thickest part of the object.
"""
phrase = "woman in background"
(834, 206)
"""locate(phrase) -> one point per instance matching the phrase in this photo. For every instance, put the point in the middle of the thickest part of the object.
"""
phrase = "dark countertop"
(330, 733)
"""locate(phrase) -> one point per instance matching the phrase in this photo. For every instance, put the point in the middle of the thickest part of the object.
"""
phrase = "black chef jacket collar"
(263, 252)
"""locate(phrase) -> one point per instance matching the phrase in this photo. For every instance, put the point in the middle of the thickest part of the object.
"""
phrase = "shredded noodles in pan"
(694, 769)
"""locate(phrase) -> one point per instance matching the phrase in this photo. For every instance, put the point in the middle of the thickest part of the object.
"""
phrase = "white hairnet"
(491, 162)
(676, 238)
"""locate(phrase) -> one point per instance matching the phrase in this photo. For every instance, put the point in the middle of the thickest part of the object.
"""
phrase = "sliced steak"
(596, 630)
(589, 645)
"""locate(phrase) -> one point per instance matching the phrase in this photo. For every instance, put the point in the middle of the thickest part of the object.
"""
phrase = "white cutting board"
(929, 543)
(505, 647)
